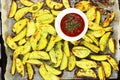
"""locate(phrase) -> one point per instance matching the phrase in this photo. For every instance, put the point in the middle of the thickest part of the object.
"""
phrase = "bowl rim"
(59, 18)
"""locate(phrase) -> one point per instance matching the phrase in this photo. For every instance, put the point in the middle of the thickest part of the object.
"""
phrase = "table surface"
(3, 58)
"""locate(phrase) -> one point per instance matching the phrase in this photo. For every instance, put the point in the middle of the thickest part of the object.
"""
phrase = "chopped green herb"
(73, 24)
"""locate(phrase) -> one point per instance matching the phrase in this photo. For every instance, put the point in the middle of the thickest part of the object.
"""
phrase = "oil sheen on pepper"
(72, 24)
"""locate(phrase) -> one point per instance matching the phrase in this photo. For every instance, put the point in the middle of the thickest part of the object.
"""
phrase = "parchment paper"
(6, 30)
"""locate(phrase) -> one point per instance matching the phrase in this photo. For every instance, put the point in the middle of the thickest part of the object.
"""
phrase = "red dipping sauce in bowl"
(71, 24)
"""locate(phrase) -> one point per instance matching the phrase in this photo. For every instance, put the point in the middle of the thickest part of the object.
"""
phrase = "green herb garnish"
(73, 24)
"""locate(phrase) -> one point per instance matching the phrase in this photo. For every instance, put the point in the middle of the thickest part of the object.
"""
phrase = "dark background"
(3, 58)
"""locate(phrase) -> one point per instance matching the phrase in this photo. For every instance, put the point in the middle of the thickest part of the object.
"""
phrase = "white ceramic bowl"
(58, 22)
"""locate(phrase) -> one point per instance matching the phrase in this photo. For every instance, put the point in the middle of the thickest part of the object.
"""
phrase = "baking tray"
(6, 28)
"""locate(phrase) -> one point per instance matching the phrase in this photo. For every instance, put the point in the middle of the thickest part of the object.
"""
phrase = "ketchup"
(72, 24)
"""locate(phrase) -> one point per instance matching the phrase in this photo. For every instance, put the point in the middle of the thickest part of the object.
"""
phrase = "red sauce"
(72, 24)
